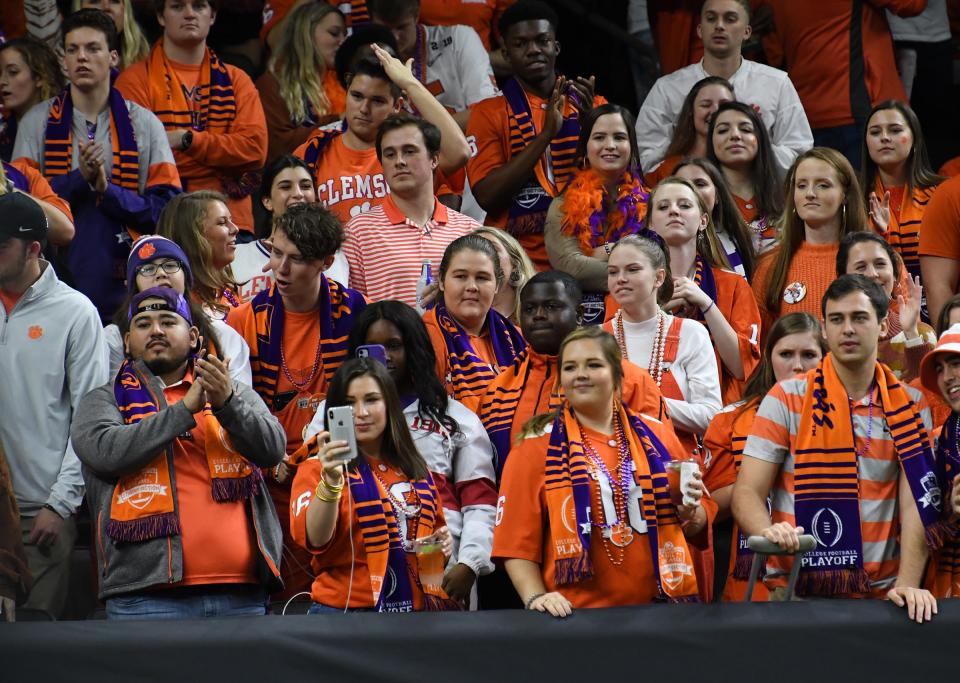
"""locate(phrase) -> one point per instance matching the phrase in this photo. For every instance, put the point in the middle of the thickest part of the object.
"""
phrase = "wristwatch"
(186, 141)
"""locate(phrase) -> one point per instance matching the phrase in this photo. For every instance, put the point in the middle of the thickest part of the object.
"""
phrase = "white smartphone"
(340, 426)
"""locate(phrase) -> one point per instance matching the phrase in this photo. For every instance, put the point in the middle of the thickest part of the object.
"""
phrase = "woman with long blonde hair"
(299, 90)
(517, 270)
(823, 203)
(201, 224)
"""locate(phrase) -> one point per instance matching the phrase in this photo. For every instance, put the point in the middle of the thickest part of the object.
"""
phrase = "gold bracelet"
(329, 487)
(326, 496)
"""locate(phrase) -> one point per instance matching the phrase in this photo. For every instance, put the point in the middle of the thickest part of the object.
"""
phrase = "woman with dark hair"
(907, 339)
(677, 352)
(575, 529)
(728, 224)
(795, 345)
(472, 341)
(286, 182)
(299, 90)
(897, 178)
(604, 201)
(739, 144)
(693, 125)
(450, 438)
(823, 203)
(30, 73)
(369, 546)
(704, 288)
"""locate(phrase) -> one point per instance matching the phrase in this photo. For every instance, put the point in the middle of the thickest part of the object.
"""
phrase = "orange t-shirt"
(664, 170)
(336, 563)
(301, 335)
(218, 538)
(523, 532)
(489, 130)
(40, 187)
(481, 346)
(9, 300)
(940, 230)
(349, 181)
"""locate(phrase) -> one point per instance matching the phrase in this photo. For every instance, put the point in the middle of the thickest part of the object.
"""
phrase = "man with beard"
(52, 354)
(171, 450)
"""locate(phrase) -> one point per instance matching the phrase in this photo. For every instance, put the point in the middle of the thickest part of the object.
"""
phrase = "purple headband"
(171, 299)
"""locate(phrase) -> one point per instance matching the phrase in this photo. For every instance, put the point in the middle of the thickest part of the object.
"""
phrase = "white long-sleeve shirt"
(766, 89)
(695, 370)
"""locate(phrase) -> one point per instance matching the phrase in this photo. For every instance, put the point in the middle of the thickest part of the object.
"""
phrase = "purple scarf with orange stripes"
(337, 310)
(58, 149)
(16, 178)
(528, 210)
(384, 544)
(469, 374)
(826, 486)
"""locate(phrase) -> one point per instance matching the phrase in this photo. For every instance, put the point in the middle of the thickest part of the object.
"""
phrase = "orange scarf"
(215, 107)
(903, 231)
(143, 505)
(586, 218)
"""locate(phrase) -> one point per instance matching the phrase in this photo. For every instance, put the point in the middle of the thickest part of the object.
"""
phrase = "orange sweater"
(813, 266)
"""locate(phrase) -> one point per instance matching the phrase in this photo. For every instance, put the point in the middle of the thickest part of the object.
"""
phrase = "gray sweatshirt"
(51, 354)
(110, 449)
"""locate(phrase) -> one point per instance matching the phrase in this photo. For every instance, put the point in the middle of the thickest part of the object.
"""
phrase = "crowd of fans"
(411, 320)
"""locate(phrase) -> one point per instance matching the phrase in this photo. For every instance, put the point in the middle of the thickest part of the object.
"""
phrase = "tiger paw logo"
(35, 332)
(146, 251)
(359, 209)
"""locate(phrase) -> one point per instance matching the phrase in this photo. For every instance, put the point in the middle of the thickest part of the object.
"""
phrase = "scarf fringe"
(741, 568)
(829, 582)
(435, 603)
(573, 569)
(938, 534)
(240, 488)
(144, 529)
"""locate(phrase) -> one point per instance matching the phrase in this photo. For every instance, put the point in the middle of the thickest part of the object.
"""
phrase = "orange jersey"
(211, 155)
(489, 130)
(343, 560)
(836, 83)
(349, 181)
(523, 532)
(736, 302)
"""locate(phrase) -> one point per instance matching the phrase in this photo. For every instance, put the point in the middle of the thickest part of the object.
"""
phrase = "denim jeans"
(318, 608)
(220, 601)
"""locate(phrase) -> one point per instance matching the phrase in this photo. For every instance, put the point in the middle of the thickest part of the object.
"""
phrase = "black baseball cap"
(21, 217)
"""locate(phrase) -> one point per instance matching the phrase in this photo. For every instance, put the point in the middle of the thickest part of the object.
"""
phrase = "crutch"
(762, 548)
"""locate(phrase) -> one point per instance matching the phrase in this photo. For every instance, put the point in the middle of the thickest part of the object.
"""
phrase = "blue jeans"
(239, 601)
(318, 608)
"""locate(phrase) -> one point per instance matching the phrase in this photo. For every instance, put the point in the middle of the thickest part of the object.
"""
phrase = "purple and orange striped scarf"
(337, 311)
(567, 474)
(383, 545)
(526, 217)
(826, 479)
(469, 374)
(58, 149)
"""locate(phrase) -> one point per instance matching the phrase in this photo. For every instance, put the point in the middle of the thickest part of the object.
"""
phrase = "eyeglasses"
(150, 269)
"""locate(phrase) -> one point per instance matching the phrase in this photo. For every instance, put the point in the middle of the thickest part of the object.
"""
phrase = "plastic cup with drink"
(680, 474)
(430, 561)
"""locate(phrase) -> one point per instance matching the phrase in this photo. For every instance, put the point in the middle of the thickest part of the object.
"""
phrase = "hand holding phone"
(340, 426)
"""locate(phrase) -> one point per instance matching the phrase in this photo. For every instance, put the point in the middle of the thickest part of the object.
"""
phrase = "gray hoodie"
(109, 449)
